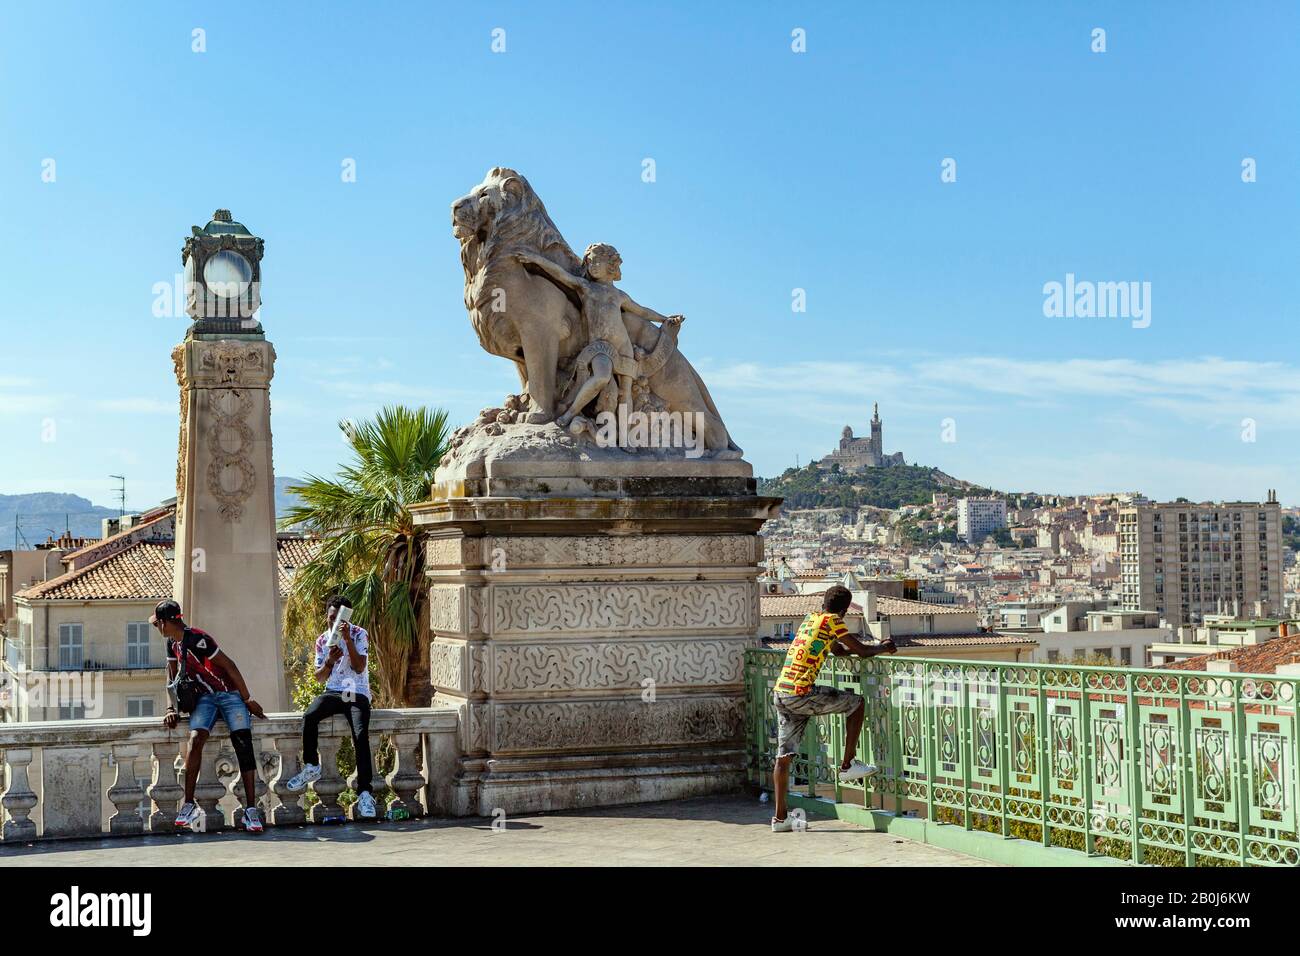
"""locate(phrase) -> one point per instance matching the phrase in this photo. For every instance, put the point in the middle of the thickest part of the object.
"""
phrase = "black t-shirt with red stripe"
(199, 650)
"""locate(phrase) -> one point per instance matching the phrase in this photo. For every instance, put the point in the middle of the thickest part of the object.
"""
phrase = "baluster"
(331, 782)
(378, 785)
(290, 810)
(209, 790)
(125, 793)
(236, 787)
(18, 799)
(165, 790)
(406, 778)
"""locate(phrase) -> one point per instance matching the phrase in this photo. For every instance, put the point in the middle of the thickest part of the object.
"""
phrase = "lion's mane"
(521, 223)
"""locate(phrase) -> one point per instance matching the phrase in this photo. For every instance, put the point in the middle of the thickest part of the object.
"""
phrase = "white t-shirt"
(343, 678)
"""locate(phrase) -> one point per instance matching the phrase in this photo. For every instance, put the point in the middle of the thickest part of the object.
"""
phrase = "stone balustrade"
(79, 778)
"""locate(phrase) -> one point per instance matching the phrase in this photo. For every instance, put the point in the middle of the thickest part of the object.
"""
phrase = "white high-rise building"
(977, 518)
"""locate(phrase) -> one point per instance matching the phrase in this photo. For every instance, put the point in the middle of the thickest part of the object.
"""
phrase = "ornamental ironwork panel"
(1271, 769)
(1214, 778)
(1159, 730)
(1170, 767)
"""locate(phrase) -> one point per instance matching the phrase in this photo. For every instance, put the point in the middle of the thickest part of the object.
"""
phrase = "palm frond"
(369, 551)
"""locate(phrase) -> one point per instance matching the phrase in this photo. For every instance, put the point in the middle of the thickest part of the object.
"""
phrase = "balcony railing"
(1174, 768)
(87, 657)
(88, 782)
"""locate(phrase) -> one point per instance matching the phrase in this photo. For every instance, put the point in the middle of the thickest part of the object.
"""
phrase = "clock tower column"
(226, 574)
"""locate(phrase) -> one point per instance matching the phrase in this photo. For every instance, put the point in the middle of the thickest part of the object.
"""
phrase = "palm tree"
(370, 550)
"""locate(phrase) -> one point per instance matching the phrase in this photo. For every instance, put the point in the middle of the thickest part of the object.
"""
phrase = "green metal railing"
(1178, 768)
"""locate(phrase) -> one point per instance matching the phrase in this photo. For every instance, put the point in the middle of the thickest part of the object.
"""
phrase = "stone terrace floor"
(708, 831)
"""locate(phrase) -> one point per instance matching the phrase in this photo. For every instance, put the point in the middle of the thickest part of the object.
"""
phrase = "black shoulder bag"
(184, 686)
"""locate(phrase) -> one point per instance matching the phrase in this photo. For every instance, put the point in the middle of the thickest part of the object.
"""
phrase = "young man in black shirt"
(221, 690)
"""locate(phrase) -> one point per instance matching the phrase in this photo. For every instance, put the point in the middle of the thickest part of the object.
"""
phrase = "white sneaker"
(366, 806)
(857, 770)
(253, 820)
(187, 816)
(782, 826)
(308, 774)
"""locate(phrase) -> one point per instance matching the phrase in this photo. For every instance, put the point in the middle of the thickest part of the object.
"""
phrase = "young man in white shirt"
(344, 669)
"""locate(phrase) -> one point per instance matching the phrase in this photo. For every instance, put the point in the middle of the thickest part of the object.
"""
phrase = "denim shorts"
(793, 713)
(232, 707)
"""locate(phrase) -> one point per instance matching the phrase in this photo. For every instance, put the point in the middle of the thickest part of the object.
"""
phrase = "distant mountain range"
(48, 514)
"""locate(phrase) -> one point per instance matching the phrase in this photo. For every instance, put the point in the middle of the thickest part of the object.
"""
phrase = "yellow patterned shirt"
(807, 653)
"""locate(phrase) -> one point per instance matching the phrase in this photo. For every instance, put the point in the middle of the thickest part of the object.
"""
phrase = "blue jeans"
(233, 711)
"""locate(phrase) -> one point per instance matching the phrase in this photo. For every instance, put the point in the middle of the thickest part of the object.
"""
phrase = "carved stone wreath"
(231, 502)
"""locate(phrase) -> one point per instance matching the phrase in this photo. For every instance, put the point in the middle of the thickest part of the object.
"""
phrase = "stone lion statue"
(529, 319)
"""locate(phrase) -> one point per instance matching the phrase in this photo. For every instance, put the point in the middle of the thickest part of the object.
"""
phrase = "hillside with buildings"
(886, 487)
(858, 473)
(1098, 578)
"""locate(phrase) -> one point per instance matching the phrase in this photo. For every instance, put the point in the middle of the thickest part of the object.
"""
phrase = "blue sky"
(774, 171)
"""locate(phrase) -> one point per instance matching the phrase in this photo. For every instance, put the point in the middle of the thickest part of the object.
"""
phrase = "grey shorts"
(794, 711)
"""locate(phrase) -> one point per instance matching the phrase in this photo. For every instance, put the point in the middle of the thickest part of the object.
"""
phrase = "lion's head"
(502, 214)
(498, 217)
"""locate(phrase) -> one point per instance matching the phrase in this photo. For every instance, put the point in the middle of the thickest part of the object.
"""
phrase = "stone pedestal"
(589, 623)
(226, 569)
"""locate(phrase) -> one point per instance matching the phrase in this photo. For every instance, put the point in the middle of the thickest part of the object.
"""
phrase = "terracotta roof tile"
(791, 605)
(1252, 659)
(893, 605)
(294, 553)
(148, 519)
(979, 638)
(143, 572)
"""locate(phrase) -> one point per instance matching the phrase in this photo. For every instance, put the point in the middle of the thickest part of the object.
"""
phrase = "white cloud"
(1198, 390)
(1070, 425)
(14, 404)
(137, 406)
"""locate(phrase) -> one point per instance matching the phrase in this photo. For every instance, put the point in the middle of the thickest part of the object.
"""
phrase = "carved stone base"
(593, 645)
(541, 461)
(517, 785)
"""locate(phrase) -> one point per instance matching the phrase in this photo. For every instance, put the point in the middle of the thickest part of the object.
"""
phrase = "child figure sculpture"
(610, 355)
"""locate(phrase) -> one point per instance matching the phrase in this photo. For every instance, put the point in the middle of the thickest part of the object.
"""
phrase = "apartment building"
(1185, 561)
(22, 569)
(977, 518)
(1124, 638)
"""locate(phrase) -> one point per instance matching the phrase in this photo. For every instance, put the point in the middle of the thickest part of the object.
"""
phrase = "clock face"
(227, 274)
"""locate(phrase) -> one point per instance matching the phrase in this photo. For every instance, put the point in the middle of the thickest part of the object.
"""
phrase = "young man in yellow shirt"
(798, 697)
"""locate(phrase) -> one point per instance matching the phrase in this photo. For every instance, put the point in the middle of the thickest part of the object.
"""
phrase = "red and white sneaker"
(187, 816)
(253, 820)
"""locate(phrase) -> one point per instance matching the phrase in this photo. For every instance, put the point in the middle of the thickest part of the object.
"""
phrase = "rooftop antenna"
(121, 495)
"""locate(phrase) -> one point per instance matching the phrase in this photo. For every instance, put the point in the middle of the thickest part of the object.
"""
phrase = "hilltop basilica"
(855, 454)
